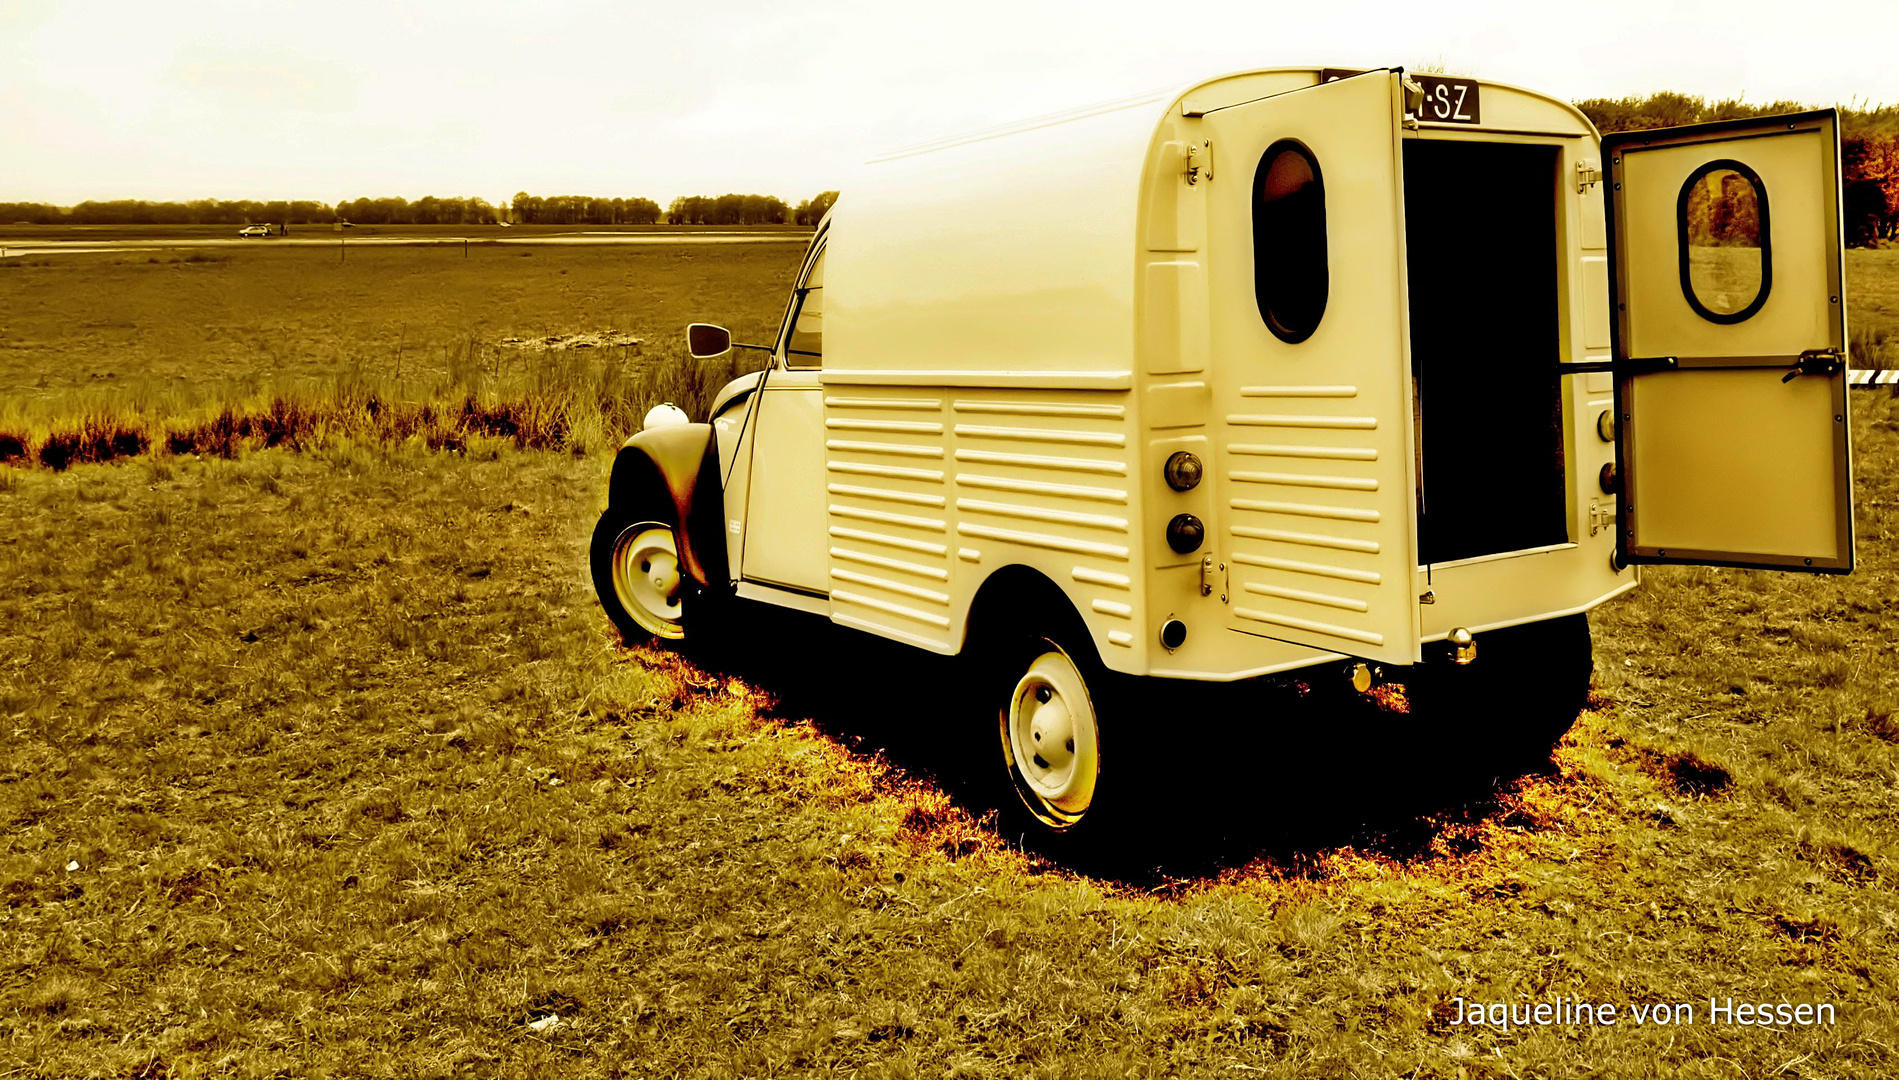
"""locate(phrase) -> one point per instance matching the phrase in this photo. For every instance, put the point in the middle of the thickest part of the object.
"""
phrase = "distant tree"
(812, 210)
(687, 210)
(640, 212)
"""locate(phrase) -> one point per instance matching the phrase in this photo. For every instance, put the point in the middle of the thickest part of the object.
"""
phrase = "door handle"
(1815, 362)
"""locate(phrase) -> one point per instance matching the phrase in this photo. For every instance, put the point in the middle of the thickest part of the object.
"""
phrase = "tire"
(1516, 701)
(637, 576)
(1051, 734)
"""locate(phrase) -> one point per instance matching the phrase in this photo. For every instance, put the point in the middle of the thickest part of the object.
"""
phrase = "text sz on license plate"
(1449, 101)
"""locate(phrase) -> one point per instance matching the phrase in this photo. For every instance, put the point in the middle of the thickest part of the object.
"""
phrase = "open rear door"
(1730, 338)
(1312, 370)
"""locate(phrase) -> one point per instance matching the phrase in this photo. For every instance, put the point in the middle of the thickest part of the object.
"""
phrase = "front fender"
(672, 473)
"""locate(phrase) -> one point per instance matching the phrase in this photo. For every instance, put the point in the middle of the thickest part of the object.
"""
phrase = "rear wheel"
(637, 575)
(1051, 739)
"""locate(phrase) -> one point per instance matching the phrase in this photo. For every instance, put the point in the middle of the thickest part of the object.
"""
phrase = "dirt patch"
(1815, 931)
(1839, 859)
(1693, 775)
(1687, 772)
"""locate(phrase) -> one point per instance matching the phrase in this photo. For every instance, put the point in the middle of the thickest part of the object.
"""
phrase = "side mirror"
(704, 340)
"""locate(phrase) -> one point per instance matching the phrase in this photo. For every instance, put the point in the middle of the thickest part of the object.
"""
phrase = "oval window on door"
(1727, 265)
(1290, 279)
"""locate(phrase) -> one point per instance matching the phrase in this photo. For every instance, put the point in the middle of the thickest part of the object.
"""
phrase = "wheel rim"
(1050, 740)
(646, 578)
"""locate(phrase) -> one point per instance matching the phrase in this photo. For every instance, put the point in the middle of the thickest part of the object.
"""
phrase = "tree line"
(1869, 148)
(195, 212)
(747, 210)
(429, 210)
(581, 210)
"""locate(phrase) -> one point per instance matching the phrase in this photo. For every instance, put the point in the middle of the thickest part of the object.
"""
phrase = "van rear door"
(1729, 344)
(1312, 372)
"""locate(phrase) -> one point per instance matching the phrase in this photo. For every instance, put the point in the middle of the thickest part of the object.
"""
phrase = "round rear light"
(1609, 480)
(1185, 533)
(1183, 471)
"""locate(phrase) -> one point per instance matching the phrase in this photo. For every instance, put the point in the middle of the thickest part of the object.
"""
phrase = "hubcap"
(1049, 736)
(646, 578)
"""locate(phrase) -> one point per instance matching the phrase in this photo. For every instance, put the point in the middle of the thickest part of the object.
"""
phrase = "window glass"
(1725, 264)
(1290, 279)
(805, 347)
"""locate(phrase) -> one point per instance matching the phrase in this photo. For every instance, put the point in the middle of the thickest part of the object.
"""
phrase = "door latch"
(1199, 161)
(1212, 574)
(1601, 516)
(1815, 362)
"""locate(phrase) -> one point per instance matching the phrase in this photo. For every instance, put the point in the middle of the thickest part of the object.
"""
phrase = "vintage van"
(1284, 369)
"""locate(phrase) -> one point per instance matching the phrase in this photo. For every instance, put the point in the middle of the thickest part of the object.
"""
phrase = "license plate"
(1449, 101)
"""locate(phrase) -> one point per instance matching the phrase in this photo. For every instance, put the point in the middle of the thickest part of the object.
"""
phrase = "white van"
(1287, 368)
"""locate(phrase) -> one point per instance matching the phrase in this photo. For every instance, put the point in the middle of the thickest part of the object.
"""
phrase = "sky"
(340, 99)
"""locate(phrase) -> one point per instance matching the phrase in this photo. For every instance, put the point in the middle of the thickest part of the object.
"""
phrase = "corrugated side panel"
(887, 490)
(931, 490)
(1310, 499)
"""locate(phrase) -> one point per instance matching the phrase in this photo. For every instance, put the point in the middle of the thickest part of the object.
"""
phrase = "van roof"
(1014, 249)
(1192, 93)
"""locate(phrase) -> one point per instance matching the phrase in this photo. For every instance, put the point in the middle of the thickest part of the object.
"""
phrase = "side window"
(1290, 279)
(805, 347)
(1727, 266)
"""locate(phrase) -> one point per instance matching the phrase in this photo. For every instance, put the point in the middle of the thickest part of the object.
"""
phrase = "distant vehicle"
(254, 230)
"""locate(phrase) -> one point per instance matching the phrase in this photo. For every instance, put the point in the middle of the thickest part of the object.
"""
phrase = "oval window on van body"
(1727, 266)
(1290, 279)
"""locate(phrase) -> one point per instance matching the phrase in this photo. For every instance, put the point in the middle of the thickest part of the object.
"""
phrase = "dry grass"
(356, 783)
(566, 405)
(352, 780)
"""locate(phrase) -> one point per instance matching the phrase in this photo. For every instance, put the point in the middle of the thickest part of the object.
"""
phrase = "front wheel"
(637, 575)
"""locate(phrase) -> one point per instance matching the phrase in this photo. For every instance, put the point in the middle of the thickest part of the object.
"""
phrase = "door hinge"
(1212, 575)
(1199, 161)
(1815, 362)
(1588, 175)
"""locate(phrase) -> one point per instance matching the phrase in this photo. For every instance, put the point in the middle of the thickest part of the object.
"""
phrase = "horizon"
(176, 103)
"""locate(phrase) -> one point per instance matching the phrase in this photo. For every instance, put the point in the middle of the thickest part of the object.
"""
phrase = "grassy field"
(324, 762)
(164, 340)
